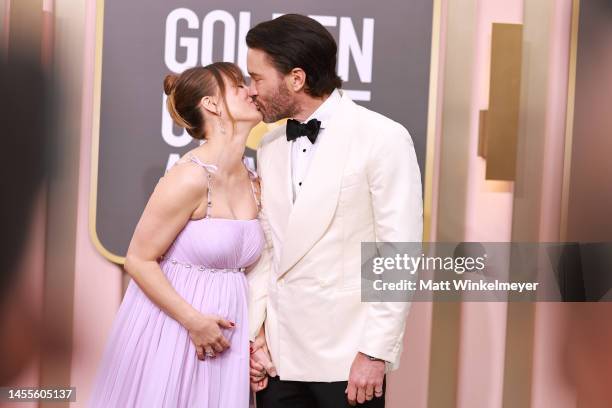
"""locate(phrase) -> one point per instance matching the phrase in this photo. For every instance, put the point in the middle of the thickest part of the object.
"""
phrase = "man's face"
(269, 88)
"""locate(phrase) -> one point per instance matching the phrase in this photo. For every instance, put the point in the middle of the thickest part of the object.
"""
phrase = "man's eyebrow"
(253, 74)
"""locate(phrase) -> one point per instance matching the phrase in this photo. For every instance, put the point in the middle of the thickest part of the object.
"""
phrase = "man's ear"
(297, 79)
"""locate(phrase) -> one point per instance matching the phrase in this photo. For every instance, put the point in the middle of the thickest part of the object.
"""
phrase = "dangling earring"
(221, 124)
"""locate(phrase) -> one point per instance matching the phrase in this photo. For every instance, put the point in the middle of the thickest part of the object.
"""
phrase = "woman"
(180, 338)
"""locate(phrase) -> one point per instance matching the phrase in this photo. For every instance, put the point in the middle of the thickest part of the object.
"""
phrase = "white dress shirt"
(302, 151)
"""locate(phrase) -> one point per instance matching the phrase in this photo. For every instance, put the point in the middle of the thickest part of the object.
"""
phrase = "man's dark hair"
(296, 41)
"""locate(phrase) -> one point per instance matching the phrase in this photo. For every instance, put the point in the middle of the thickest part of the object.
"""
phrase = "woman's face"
(240, 104)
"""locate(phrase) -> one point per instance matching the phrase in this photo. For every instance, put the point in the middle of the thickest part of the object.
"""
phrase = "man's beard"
(278, 106)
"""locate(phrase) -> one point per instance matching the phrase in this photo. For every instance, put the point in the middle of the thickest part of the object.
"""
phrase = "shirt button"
(300, 183)
(304, 150)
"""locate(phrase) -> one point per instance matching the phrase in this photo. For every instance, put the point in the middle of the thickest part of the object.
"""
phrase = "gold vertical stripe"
(569, 119)
(454, 152)
(504, 101)
(432, 113)
(95, 140)
(527, 201)
(482, 134)
(444, 355)
(443, 359)
(518, 358)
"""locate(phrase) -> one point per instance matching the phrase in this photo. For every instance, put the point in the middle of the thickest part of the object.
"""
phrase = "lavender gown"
(149, 360)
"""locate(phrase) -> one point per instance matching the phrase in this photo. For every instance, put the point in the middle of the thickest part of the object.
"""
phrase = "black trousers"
(297, 394)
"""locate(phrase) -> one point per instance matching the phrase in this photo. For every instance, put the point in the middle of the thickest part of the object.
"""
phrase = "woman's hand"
(205, 333)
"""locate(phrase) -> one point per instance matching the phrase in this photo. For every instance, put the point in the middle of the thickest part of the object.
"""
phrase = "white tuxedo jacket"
(363, 184)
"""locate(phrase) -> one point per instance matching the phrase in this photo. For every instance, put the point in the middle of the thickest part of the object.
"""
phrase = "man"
(335, 175)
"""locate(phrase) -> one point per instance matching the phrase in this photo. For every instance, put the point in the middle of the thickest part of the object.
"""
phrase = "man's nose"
(252, 89)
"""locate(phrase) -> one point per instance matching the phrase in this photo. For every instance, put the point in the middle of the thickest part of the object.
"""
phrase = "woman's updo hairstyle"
(185, 91)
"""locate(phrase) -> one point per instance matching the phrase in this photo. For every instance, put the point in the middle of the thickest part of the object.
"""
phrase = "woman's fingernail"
(232, 324)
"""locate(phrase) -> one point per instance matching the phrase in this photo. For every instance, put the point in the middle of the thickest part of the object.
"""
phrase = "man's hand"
(261, 365)
(259, 385)
(365, 380)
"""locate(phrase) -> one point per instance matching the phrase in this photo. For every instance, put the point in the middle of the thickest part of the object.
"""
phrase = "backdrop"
(383, 58)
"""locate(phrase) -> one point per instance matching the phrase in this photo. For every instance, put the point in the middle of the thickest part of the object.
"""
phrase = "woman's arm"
(171, 205)
(174, 199)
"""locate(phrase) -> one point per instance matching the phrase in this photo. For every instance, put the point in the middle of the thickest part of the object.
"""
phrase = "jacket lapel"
(316, 204)
(277, 196)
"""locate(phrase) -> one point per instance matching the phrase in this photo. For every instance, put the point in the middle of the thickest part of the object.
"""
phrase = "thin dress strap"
(210, 169)
(253, 178)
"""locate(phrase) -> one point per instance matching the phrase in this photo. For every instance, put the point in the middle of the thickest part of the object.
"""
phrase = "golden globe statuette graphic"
(258, 133)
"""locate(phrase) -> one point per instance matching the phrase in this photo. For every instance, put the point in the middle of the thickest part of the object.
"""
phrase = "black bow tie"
(296, 129)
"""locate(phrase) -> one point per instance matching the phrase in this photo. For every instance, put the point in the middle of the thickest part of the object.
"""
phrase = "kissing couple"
(251, 281)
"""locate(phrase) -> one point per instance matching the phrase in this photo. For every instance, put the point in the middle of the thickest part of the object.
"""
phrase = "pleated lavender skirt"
(150, 361)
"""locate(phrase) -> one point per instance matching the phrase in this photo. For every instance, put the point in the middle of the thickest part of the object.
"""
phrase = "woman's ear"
(297, 79)
(210, 104)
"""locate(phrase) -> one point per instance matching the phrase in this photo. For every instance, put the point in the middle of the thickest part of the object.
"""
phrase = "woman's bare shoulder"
(183, 179)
